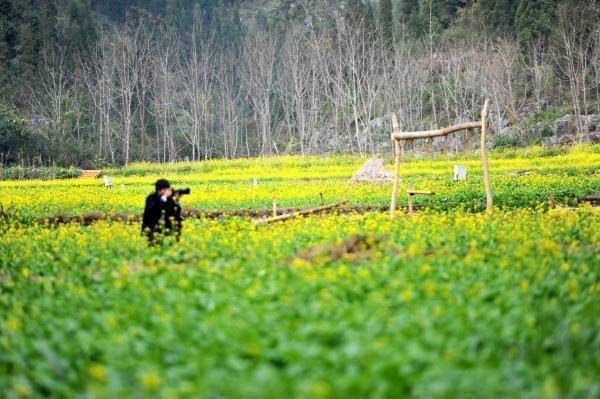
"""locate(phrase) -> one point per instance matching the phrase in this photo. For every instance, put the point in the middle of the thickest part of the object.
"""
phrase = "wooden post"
(552, 200)
(322, 199)
(486, 172)
(397, 136)
(470, 134)
(301, 213)
(395, 130)
(410, 192)
(274, 206)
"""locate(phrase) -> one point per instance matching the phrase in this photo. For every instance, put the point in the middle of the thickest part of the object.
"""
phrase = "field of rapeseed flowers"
(448, 303)
(519, 179)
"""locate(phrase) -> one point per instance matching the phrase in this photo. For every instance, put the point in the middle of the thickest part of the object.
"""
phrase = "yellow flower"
(183, 283)
(364, 274)
(572, 284)
(575, 328)
(449, 354)
(111, 320)
(22, 389)
(320, 389)
(253, 349)
(551, 386)
(300, 263)
(430, 287)
(150, 379)
(98, 371)
(426, 268)
(14, 324)
(406, 295)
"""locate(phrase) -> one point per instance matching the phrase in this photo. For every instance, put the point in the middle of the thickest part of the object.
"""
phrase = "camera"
(181, 191)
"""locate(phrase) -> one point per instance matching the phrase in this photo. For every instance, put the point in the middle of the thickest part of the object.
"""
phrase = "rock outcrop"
(570, 130)
(373, 171)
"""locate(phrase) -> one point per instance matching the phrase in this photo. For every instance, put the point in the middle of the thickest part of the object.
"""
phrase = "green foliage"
(38, 173)
(500, 14)
(15, 135)
(292, 145)
(508, 140)
(80, 27)
(419, 17)
(409, 12)
(533, 20)
(546, 115)
(443, 305)
(386, 27)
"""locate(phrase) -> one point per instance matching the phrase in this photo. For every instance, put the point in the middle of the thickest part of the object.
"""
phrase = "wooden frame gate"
(397, 136)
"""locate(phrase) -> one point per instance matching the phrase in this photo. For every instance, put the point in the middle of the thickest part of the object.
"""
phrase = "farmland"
(521, 178)
(451, 302)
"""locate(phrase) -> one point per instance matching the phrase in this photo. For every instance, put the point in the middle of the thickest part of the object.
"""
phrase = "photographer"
(162, 215)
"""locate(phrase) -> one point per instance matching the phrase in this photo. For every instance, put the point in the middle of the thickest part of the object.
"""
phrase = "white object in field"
(460, 172)
(373, 171)
(255, 181)
(122, 187)
(108, 181)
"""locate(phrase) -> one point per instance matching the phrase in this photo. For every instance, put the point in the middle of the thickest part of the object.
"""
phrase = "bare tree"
(231, 99)
(127, 55)
(258, 76)
(98, 74)
(199, 78)
(575, 56)
(163, 99)
(49, 97)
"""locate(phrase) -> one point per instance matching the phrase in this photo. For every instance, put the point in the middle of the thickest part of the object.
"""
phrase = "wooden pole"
(486, 171)
(301, 213)
(410, 192)
(433, 133)
(395, 130)
(422, 192)
(274, 206)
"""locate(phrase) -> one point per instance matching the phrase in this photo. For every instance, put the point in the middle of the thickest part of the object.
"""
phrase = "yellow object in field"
(91, 174)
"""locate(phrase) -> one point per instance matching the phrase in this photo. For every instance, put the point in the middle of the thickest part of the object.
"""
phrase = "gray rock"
(374, 170)
(591, 123)
(504, 130)
(438, 144)
(560, 140)
(563, 126)
(569, 125)
(376, 123)
(592, 137)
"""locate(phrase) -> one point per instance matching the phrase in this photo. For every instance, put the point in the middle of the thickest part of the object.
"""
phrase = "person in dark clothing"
(162, 214)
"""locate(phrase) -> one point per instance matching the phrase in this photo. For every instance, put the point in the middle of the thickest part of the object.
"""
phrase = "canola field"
(449, 303)
(520, 178)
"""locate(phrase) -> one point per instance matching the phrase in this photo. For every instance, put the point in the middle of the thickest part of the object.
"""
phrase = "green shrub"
(41, 173)
(509, 140)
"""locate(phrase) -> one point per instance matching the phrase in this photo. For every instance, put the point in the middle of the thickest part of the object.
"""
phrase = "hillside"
(96, 83)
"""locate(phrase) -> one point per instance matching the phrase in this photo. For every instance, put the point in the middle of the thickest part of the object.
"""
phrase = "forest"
(97, 83)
